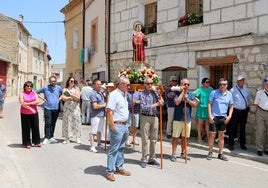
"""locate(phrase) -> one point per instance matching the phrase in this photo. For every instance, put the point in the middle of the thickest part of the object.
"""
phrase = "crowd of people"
(219, 112)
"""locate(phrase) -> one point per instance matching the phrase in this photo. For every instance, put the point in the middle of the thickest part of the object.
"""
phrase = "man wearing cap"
(3, 95)
(241, 99)
(261, 103)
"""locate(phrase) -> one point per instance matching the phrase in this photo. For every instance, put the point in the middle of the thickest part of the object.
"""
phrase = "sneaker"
(153, 162)
(45, 141)
(183, 157)
(143, 164)
(53, 140)
(78, 141)
(209, 157)
(28, 147)
(93, 149)
(66, 142)
(173, 158)
(222, 157)
(100, 146)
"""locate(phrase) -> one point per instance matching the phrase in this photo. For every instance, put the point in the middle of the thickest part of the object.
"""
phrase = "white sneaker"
(53, 140)
(66, 142)
(45, 141)
(78, 141)
(93, 149)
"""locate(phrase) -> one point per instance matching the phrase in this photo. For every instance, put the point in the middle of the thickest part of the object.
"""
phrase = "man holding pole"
(184, 101)
(150, 101)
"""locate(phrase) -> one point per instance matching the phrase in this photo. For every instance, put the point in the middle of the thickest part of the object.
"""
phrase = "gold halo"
(137, 23)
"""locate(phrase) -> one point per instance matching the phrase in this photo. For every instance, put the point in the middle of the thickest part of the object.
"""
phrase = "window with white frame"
(75, 39)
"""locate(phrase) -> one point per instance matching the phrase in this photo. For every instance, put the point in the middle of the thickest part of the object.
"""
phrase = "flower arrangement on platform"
(137, 76)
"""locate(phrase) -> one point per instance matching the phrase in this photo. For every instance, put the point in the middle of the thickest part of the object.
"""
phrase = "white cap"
(240, 77)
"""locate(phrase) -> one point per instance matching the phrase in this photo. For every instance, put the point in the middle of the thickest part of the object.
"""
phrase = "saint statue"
(139, 41)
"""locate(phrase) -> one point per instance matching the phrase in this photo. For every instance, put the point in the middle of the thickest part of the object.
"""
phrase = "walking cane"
(161, 131)
(132, 120)
(106, 122)
(185, 133)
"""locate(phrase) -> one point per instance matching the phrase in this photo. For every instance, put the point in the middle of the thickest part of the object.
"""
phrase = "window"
(221, 71)
(193, 13)
(150, 24)
(194, 6)
(94, 35)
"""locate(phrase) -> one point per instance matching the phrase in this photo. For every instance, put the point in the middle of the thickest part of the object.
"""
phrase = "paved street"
(72, 165)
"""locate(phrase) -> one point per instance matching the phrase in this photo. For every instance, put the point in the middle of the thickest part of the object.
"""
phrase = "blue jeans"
(115, 155)
(51, 117)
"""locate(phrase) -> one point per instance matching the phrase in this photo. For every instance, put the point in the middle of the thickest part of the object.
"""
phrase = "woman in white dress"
(71, 123)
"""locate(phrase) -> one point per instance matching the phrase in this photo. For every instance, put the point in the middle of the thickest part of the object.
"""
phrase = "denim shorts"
(218, 125)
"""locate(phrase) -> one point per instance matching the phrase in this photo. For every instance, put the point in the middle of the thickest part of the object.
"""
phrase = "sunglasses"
(52, 81)
(29, 86)
(222, 85)
(71, 80)
(186, 84)
(174, 80)
(149, 83)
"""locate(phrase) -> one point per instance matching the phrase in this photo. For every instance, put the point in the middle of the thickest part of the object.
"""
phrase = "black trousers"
(30, 123)
(239, 118)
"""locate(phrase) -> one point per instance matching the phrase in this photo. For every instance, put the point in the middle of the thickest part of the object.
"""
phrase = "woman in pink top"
(29, 116)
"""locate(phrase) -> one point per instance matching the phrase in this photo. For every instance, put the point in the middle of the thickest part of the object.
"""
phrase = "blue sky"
(41, 11)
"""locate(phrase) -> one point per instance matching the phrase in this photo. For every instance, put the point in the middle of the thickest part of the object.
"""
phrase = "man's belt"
(120, 122)
(263, 109)
(148, 115)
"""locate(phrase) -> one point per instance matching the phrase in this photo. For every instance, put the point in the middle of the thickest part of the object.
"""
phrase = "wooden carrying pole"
(185, 133)
(161, 131)
(132, 120)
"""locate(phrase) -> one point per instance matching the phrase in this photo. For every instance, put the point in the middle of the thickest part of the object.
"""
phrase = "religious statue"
(139, 41)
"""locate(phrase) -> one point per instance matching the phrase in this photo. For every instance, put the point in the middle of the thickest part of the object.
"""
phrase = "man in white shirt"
(261, 103)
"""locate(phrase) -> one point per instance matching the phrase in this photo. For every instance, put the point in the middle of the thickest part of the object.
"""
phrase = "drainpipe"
(109, 40)
(83, 37)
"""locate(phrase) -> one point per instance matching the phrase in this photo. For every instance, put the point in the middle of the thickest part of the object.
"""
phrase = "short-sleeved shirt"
(86, 92)
(170, 101)
(203, 95)
(136, 96)
(52, 95)
(97, 97)
(239, 102)
(117, 102)
(261, 99)
(147, 100)
(220, 102)
(179, 109)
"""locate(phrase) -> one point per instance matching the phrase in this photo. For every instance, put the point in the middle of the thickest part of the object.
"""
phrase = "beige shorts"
(178, 129)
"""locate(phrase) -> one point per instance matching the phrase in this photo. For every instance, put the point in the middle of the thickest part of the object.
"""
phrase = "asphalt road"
(72, 165)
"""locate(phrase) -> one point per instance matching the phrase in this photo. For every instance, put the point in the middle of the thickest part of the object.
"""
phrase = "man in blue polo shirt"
(220, 101)
(51, 92)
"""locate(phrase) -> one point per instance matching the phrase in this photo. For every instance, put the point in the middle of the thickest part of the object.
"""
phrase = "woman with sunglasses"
(29, 116)
(202, 93)
(71, 124)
